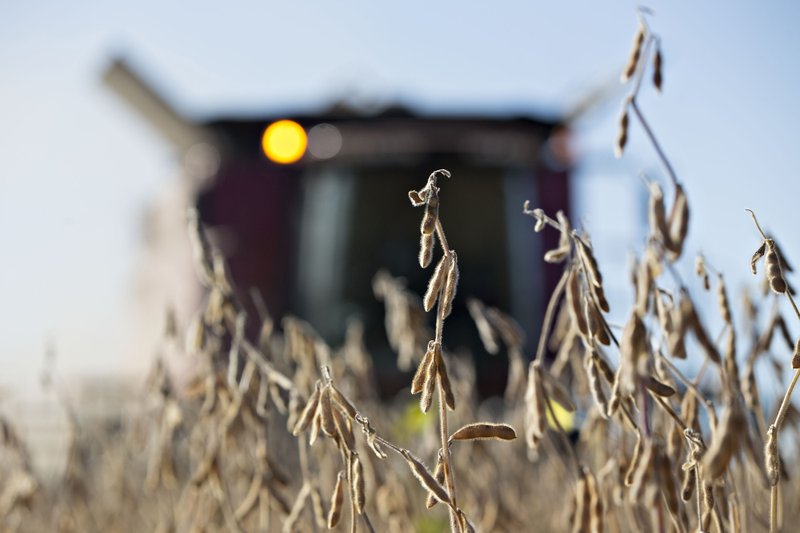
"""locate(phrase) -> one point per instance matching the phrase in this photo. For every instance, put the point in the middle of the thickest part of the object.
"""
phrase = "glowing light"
(284, 141)
(324, 141)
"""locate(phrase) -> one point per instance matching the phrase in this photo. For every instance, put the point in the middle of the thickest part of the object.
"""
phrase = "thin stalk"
(450, 484)
(774, 492)
(758, 226)
(697, 489)
(449, 480)
(650, 135)
(440, 235)
(773, 509)
(794, 305)
(367, 522)
(786, 401)
(670, 411)
(635, 106)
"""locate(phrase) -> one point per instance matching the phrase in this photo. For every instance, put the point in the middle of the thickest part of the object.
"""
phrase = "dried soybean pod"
(700, 270)
(644, 286)
(689, 482)
(425, 478)
(772, 264)
(634, 464)
(633, 347)
(771, 458)
(450, 285)
(428, 386)
(422, 370)
(726, 442)
(425, 250)
(326, 412)
(431, 211)
(590, 263)
(342, 401)
(478, 312)
(436, 281)
(444, 380)
(308, 412)
(344, 430)
(659, 388)
(595, 320)
(658, 66)
(596, 387)
(315, 425)
(677, 346)
(583, 508)
(634, 55)
(536, 417)
(705, 341)
(595, 504)
(337, 499)
(357, 478)
(664, 313)
(484, 430)
(756, 256)
(604, 367)
(600, 297)
(622, 135)
(644, 470)
(678, 222)
(573, 300)
(438, 475)
(708, 511)
(731, 366)
(796, 355)
(616, 396)
(722, 301)
(591, 314)
(657, 214)
(464, 523)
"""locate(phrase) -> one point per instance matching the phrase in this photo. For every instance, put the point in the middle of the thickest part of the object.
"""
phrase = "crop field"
(609, 432)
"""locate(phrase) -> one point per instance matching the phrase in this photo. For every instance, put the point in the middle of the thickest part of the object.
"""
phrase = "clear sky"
(78, 168)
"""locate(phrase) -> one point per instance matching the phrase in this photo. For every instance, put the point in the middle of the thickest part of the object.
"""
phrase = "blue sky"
(78, 168)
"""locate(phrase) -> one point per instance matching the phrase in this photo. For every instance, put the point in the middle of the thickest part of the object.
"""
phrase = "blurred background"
(117, 117)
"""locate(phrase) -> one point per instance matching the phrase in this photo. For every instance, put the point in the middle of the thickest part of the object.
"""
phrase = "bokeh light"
(324, 141)
(284, 142)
